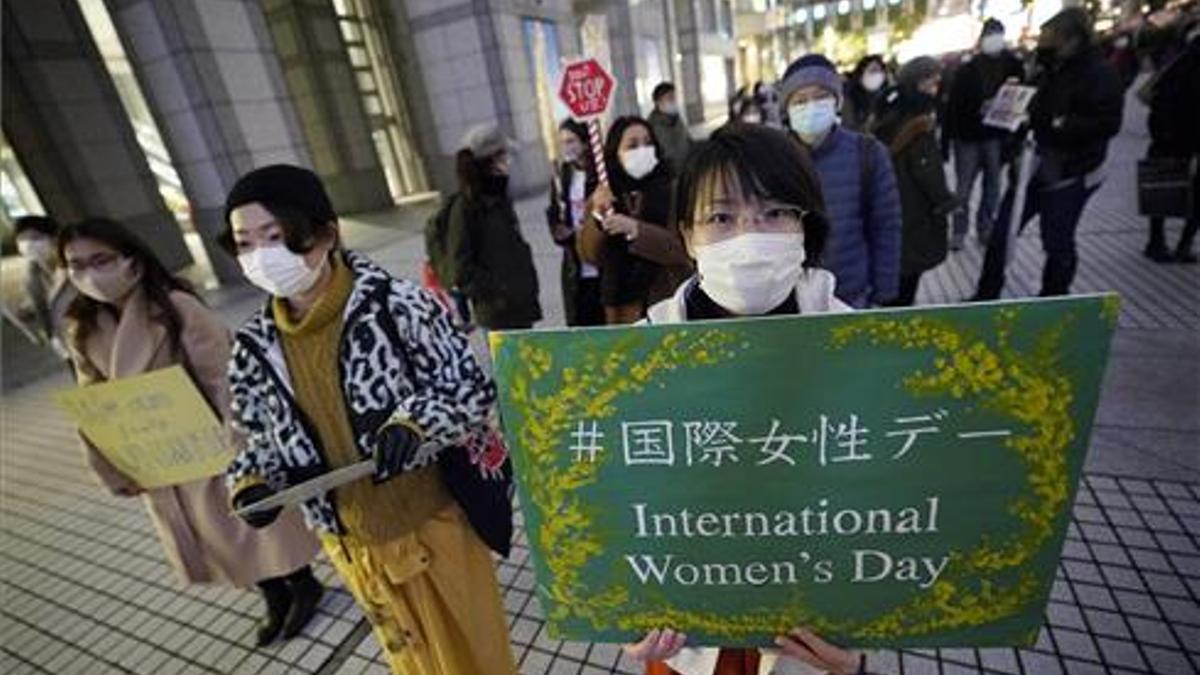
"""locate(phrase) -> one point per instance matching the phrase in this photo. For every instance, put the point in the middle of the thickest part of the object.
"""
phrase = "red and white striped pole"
(597, 143)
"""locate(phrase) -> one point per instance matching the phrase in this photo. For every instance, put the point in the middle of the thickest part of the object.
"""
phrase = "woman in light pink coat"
(132, 317)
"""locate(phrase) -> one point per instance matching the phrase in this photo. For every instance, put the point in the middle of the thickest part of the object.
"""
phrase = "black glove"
(395, 446)
(250, 495)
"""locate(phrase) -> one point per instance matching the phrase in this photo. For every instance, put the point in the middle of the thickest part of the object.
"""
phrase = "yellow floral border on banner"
(1028, 388)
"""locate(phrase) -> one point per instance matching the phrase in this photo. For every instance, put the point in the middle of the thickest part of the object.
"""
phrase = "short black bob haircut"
(758, 161)
(41, 224)
(661, 90)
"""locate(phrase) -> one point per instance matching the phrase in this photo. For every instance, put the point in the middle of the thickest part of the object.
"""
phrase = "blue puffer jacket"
(863, 251)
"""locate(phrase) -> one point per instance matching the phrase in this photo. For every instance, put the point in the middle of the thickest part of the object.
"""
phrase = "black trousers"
(589, 311)
(909, 283)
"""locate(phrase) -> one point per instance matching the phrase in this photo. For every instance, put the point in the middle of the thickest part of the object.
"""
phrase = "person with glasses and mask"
(751, 214)
(132, 316)
(858, 182)
(574, 181)
(48, 293)
(346, 364)
(626, 233)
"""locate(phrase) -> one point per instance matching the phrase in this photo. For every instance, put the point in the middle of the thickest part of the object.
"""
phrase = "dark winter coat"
(673, 137)
(908, 128)
(976, 82)
(1175, 106)
(1075, 112)
(491, 262)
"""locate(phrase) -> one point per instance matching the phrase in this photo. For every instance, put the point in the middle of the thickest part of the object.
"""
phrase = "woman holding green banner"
(131, 317)
(750, 212)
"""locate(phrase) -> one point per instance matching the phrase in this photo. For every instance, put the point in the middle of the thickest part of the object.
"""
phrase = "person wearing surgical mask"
(132, 316)
(980, 149)
(640, 260)
(345, 365)
(573, 182)
(669, 127)
(858, 181)
(490, 260)
(864, 88)
(751, 215)
(48, 292)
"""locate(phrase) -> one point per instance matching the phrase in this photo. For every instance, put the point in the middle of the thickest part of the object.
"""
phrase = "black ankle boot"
(279, 601)
(306, 594)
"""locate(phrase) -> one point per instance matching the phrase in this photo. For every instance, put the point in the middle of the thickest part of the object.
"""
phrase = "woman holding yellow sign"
(131, 317)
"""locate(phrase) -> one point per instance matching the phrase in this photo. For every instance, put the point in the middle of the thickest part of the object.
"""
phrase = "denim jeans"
(971, 158)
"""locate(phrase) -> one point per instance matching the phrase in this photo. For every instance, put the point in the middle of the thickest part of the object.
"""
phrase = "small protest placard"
(887, 478)
(1009, 107)
(156, 427)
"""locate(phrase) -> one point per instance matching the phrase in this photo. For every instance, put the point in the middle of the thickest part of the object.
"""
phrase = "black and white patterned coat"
(401, 357)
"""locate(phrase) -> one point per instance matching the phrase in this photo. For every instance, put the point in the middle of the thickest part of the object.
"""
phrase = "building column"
(323, 90)
(465, 64)
(209, 73)
(622, 54)
(687, 23)
(68, 128)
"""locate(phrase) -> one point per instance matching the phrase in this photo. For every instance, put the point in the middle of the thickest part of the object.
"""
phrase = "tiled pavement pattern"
(85, 589)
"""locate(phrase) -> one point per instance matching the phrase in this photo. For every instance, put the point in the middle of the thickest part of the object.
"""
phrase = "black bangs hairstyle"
(41, 224)
(300, 231)
(579, 130)
(156, 281)
(755, 160)
(620, 181)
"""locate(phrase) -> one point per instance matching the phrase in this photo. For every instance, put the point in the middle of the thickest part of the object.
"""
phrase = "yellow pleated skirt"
(431, 596)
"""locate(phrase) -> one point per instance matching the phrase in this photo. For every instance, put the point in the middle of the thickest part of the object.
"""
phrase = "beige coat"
(203, 541)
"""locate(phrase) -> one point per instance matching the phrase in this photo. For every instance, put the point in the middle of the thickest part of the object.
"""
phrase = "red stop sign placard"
(586, 89)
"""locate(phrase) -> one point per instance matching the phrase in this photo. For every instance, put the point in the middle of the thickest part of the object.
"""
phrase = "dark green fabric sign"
(888, 478)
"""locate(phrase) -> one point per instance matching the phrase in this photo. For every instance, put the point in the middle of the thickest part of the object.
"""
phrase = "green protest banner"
(887, 478)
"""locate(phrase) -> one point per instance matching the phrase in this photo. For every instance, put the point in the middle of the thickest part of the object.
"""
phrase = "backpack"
(441, 259)
(866, 167)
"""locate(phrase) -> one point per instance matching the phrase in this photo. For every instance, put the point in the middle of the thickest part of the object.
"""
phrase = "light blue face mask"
(813, 119)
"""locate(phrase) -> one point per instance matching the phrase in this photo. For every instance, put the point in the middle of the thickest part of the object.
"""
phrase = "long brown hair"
(156, 282)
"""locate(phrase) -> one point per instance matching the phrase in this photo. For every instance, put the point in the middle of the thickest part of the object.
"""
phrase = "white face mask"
(639, 162)
(570, 154)
(39, 250)
(814, 119)
(873, 81)
(278, 271)
(670, 108)
(109, 286)
(992, 44)
(752, 273)
(752, 118)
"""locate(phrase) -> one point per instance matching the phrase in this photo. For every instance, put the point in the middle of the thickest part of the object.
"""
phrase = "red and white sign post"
(586, 89)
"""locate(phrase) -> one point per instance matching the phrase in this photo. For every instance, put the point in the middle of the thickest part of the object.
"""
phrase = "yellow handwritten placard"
(155, 427)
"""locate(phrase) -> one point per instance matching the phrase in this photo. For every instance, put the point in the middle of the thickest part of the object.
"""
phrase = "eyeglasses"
(101, 262)
(782, 218)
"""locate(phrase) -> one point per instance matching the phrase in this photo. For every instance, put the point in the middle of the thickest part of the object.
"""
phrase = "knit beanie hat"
(283, 185)
(810, 70)
(918, 69)
(992, 26)
(486, 140)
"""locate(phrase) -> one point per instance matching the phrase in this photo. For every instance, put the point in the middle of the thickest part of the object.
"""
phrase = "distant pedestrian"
(863, 90)
(979, 148)
(1076, 111)
(131, 317)
(573, 183)
(48, 292)
(1175, 132)
(906, 124)
(669, 127)
(858, 182)
(641, 261)
(489, 259)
